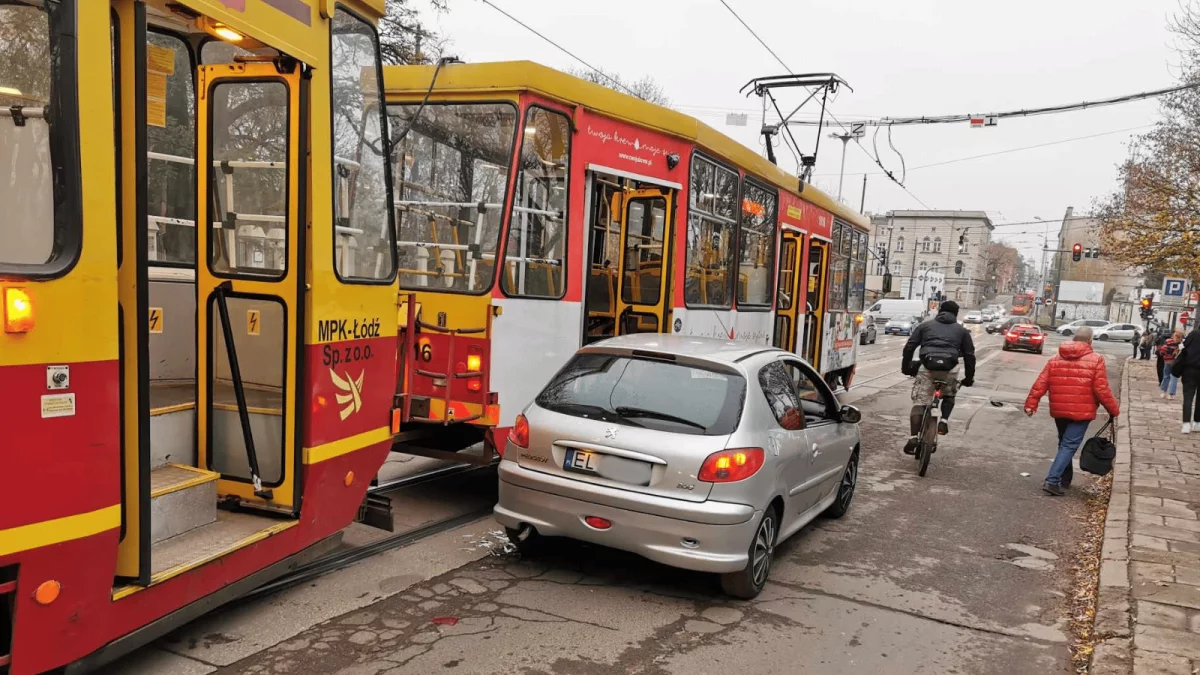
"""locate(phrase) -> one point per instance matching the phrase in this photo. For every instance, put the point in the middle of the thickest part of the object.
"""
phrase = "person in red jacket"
(1077, 380)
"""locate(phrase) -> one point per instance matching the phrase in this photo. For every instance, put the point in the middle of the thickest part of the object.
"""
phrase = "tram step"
(182, 498)
(172, 424)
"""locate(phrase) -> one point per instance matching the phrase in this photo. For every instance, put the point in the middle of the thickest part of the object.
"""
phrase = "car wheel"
(1038, 351)
(1102, 336)
(527, 542)
(1067, 333)
(1004, 348)
(748, 582)
(845, 493)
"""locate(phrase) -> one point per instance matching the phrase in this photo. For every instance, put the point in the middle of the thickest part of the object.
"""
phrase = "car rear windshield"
(643, 392)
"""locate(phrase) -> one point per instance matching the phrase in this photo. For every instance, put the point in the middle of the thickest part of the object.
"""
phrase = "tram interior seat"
(602, 293)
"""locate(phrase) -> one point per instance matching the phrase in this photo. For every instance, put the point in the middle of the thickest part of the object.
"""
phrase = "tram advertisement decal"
(839, 341)
(621, 146)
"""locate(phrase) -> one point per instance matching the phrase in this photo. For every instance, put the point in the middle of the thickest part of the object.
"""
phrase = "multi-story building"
(1120, 283)
(952, 243)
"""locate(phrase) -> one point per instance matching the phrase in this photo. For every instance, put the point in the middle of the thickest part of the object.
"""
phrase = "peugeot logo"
(611, 432)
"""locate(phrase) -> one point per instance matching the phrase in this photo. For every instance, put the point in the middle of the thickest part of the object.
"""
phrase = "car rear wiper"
(627, 411)
(587, 409)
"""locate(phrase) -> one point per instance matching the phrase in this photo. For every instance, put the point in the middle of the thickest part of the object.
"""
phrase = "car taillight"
(728, 466)
(519, 434)
(1038, 337)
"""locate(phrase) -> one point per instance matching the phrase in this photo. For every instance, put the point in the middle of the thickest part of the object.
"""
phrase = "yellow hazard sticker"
(253, 325)
(156, 320)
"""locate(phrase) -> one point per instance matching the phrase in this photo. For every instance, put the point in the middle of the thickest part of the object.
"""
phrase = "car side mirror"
(849, 414)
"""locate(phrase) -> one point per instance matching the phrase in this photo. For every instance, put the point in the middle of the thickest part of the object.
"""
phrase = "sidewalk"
(1148, 612)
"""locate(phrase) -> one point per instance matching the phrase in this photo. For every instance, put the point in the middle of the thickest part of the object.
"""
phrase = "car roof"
(710, 349)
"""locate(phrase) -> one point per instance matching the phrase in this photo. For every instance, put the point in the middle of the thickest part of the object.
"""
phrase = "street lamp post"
(855, 132)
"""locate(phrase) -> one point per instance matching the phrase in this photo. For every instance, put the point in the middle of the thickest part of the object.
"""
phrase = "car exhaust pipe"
(525, 532)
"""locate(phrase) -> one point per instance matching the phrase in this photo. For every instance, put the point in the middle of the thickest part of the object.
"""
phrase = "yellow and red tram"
(565, 212)
(197, 272)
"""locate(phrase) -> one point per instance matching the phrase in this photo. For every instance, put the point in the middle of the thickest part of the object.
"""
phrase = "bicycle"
(927, 441)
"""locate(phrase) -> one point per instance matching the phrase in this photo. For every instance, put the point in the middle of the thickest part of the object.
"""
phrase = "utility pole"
(855, 133)
(1062, 233)
(862, 204)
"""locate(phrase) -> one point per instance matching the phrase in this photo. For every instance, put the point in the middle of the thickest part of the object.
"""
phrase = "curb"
(1113, 628)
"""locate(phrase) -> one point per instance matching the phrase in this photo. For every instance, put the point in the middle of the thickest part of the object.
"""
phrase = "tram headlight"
(474, 361)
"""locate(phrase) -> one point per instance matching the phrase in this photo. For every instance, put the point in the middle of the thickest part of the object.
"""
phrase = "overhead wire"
(562, 49)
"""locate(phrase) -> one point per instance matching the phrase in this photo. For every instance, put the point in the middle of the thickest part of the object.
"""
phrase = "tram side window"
(711, 236)
(451, 163)
(27, 228)
(363, 233)
(249, 189)
(171, 152)
(838, 263)
(537, 230)
(757, 255)
(858, 273)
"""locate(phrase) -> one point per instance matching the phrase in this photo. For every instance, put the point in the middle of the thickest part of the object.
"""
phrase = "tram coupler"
(376, 511)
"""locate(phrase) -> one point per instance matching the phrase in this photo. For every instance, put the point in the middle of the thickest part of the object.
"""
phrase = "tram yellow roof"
(517, 76)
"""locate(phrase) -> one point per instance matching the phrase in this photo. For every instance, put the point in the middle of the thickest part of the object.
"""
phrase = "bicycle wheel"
(928, 443)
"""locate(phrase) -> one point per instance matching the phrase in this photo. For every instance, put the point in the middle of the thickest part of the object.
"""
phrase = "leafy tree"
(1152, 220)
(646, 88)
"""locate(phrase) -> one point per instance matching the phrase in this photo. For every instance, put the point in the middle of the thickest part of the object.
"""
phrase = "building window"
(933, 267)
(937, 244)
(895, 267)
(925, 245)
(923, 266)
(900, 243)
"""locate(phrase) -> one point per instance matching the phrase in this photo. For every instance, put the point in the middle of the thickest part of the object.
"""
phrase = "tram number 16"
(423, 351)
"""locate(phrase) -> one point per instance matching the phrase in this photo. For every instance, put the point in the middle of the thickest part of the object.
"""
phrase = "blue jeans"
(1170, 379)
(1070, 437)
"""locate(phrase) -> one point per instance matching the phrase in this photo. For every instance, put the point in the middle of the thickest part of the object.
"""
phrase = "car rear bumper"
(718, 533)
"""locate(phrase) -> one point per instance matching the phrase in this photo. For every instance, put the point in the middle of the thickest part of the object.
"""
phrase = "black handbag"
(1099, 451)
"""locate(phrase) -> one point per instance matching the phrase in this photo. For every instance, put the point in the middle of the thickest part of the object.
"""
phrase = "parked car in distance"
(1005, 325)
(901, 325)
(973, 316)
(867, 333)
(1069, 329)
(1024, 336)
(1117, 331)
(997, 311)
(693, 452)
(988, 315)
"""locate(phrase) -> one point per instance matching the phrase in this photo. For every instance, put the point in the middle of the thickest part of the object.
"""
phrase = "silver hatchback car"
(697, 453)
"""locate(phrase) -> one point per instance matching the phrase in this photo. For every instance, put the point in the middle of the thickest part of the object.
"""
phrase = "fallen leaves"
(1085, 574)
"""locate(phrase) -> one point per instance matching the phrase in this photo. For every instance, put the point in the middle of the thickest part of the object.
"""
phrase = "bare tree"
(403, 40)
(646, 88)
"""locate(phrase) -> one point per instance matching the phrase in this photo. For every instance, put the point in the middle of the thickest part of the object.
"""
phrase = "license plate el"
(580, 461)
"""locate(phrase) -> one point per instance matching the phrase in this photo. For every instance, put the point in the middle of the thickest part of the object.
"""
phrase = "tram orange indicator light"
(473, 363)
(226, 33)
(753, 208)
(47, 592)
(18, 311)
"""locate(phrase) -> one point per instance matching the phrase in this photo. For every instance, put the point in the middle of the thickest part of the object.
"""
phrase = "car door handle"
(815, 451)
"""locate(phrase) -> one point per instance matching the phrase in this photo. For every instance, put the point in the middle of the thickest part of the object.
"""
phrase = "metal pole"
(842, 171)
(862, 204)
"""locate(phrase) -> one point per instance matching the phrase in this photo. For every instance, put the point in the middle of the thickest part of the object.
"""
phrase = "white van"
(882, 311)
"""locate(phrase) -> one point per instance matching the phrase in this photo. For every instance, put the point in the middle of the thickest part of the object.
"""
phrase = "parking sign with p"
(1174, 287)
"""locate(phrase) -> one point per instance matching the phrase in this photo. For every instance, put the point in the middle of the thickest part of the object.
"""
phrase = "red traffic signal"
(1147, 303)
(1076, 252)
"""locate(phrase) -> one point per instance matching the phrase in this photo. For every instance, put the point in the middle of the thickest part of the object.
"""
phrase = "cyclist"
(942, 343)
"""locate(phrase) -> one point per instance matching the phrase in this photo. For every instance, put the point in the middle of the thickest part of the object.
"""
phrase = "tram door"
(251, 266)
(628, 282)
(815, 301)
(789, 316)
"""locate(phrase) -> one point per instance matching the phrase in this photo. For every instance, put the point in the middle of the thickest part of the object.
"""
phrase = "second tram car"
(563, 212)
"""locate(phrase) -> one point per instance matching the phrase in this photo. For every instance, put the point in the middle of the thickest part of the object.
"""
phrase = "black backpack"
(1099, 451)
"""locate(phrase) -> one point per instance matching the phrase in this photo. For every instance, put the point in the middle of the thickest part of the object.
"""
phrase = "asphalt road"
(964, 571)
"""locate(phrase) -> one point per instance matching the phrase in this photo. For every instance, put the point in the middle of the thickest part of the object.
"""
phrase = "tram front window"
(27, 185)
(451, 166)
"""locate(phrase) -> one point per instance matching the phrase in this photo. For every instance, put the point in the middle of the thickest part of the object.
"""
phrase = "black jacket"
(943, 335)
(1191, 355)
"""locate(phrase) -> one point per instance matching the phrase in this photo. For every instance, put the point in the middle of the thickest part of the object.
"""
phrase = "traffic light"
(1147, 308)
(1076, 252)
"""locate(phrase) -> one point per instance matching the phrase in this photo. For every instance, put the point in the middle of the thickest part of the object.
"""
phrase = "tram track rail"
(343, 558)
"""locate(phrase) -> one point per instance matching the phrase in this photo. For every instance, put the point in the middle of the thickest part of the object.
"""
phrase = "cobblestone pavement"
(1150, 577)
(966, 571)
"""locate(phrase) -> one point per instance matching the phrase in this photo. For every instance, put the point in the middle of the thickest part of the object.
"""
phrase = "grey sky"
(919, 57)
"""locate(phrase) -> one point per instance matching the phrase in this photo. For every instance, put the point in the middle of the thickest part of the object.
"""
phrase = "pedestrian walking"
(1167, 354)
(1077, 381)
(1137, 342)
(1187, 364)
(1147, 343)
(1160, 338)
